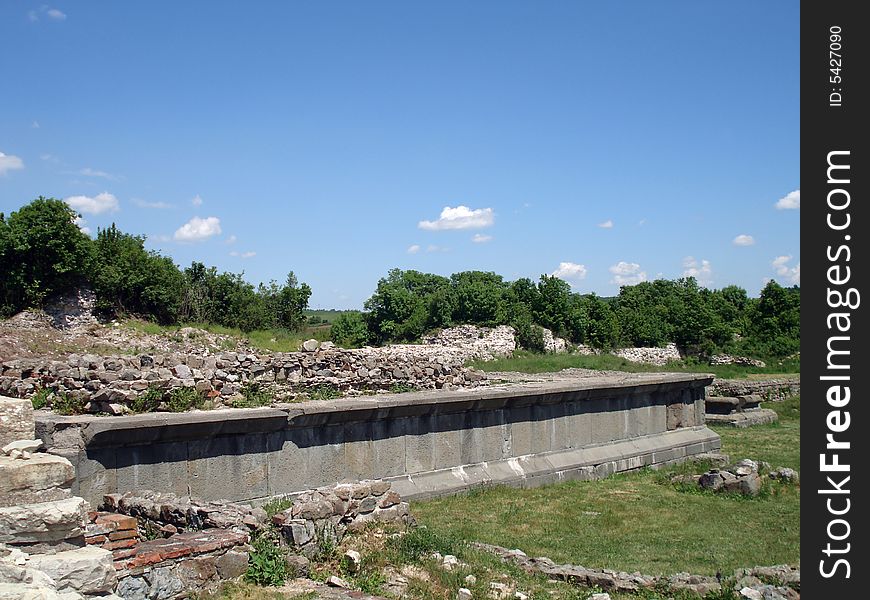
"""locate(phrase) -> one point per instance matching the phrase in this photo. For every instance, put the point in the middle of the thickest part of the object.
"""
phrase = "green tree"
(131, 280)
(42, 252)
(350, 330)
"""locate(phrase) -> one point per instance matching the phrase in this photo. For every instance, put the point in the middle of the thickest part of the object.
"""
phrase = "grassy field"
(527, 362)
(639, 521)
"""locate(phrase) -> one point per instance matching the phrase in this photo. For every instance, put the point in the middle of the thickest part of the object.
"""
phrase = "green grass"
(527, 362)
(638, 521)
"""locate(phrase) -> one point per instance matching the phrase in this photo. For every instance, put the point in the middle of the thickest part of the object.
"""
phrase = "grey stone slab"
(388, 448)
(230, 467)
(287, 460)
(153, 467)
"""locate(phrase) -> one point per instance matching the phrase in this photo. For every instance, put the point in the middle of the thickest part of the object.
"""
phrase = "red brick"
(120, 544)
(122, 553)
(117, 521)
(96, 539)
(126, 534)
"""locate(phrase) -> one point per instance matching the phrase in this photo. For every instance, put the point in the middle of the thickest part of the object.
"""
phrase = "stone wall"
(110, 384)
(771, 390)
(425, 443)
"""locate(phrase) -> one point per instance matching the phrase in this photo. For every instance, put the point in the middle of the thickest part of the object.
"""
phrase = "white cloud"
(52, 13)
(608, 224)
(89, 172)
(743, 240)
(570, 272)
(413, 249)
(479, 238)
(627, 273)
(791, 201)
(198, 230)
(35, 125)
(95, 205)
(701, 271)
(9, 162)
(792, 274)
(243, 254)
(197, 201)
(460, 217)
(83, 225)
(146, 204)
(641, 223)
(231, 240)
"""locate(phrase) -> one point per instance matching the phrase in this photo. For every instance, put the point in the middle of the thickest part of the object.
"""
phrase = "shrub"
(349, 330)
(253, 396)
(67, 404)
(41, 398)
(184, 398)
(147, 401)
(267, 563)
(324, 392)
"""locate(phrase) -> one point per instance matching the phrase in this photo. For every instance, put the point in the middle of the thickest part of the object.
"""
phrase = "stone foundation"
(425, 443)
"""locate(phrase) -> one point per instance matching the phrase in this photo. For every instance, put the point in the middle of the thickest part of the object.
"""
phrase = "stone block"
(230, 467)
(39, 473)
(16, 420)
(44, 522)
(87, 570)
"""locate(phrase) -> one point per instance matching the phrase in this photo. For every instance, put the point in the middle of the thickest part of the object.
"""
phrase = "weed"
(327, 538)
(267, 564)
(422, 541)
(147, 401)
(324, 392)
(66, 404)
(40, 398)
(399, 388)
(184, 398)
(252, 396)
(276, 505)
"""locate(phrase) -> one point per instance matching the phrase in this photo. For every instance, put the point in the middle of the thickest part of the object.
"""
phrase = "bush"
(147, 401)
(67, 404)
(253, 396)
(41, 398)
(184, 398)
(350, 330)
(267, 563)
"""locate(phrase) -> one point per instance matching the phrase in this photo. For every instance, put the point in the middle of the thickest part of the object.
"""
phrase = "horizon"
(507, 137)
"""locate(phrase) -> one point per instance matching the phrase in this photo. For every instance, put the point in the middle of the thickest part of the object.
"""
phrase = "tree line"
(43, 253)
(700, 321)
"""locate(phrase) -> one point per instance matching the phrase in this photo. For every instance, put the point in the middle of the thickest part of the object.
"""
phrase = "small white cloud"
(83, 225)
(8, 162)
(146, 204)
(625, 273)
(641, 223)
(94, 205)
(434, 248)
(701, 271)
(34, 125)
(55, 14)
(608, 224)
(198, 230)
(743, 240)
(570, 272)
(31, 14)
(781, 267)
(243, 254)
(89, 172)
(231, 240)
(413, 249)
(52, 13)
(480, 238)
(196, 201)
(460, 217)
(791, 201)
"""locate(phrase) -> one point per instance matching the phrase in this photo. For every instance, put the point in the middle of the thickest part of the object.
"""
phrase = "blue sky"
(606, 142)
